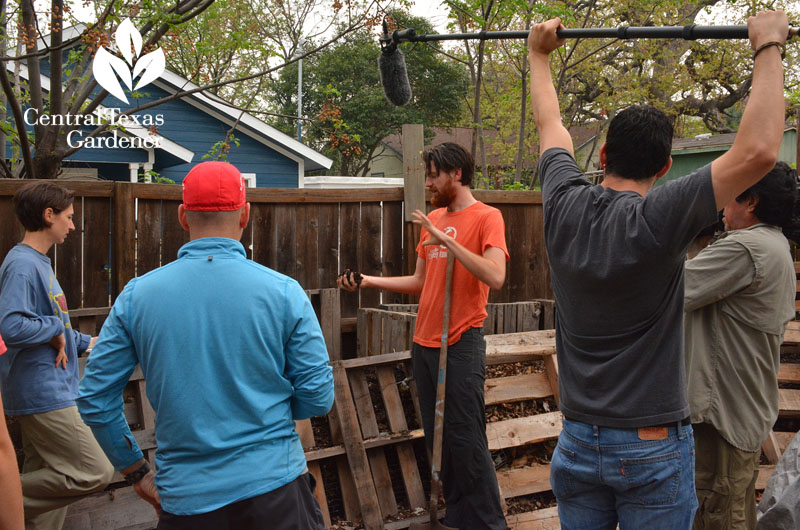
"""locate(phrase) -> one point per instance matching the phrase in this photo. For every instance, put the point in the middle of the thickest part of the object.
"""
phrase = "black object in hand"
(352, 276)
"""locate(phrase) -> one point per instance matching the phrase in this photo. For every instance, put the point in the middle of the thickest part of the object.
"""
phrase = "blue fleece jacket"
(232, 353)
(33, 310)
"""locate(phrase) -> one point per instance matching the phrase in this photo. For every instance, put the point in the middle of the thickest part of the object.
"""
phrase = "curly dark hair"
(776, 193)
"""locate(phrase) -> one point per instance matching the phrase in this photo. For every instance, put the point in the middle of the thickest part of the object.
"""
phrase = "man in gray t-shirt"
(616, 251)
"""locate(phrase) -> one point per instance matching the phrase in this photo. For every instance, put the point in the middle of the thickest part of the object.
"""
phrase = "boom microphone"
(392, 67)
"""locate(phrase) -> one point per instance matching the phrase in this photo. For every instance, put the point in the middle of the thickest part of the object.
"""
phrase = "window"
(249, 180)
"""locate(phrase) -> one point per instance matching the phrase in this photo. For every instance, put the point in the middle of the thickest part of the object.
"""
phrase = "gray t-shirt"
(616, 261)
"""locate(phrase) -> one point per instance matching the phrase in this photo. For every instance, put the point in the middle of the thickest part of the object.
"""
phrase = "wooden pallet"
(379, 384)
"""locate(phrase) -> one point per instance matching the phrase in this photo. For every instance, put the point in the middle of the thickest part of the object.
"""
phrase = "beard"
(444, 195)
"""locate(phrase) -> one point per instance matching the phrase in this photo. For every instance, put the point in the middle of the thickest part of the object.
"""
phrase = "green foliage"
(154, 177)
(342, 90)
(220, 150)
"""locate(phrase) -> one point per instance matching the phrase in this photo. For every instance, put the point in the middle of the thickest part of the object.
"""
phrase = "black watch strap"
(135, 476)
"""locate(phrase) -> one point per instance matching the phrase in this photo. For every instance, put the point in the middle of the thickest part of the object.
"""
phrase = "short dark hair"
(449, 156)
(32, 199)
(776, 193)
(638, 143)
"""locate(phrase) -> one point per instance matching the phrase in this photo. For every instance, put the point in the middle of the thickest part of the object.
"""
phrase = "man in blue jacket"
(39, 372)
(232, 354)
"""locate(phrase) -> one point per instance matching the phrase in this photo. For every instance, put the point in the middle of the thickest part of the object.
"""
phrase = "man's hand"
(146, 489)
(437, 236)
(92, 342)
(349, 280)
(59, 343)
(767, 26)
(543, 38)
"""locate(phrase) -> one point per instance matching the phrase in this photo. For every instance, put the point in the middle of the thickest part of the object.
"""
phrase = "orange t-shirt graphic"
(477, 227)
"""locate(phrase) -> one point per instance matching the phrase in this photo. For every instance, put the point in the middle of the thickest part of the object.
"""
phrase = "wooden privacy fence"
(127, 229)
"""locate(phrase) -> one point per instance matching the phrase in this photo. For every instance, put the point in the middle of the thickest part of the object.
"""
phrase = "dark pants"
(290, 507)
(468, 476)
(726, 482)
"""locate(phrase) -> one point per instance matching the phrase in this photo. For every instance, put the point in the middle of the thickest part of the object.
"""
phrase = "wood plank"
(331, 322)
(545, 519)
(517, 388)
(12, 231)
(274, 195)
(551, 368)
(764, 472)
(788, 403)
(413, 170)
(789, 373)
(349, 216)
(369, 250)
(508, 197)
(306, 270)
(124, 265)
(81, 188)
(173, 236)
(306, 433)
(356, 453)
(148, 236)
(494, 355)
(327, 245)
(352, 507)
(286, 239)
(392, 237)
(524, 480)
(771, 448)
(792, 334)
(784, 439)
(265, 248)
(522, 431)
(97, 252)
(369, 429)
(395, 415)
(68, 262)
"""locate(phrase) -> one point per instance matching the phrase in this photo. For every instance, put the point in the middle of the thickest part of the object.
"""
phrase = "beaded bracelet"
(767, 45)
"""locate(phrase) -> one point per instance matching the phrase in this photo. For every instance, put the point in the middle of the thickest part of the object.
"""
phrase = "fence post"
(124, 236)
(414, 190)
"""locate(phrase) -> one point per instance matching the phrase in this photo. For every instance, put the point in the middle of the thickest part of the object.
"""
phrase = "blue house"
(170, 138)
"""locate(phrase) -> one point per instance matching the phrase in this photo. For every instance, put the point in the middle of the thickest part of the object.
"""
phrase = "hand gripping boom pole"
(690, 32)
(394, 77)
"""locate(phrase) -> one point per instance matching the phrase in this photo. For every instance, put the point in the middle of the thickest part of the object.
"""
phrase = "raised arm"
(542, 40)
(755, 149)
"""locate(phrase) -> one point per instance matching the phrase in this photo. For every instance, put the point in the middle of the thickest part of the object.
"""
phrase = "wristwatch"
(135, 476)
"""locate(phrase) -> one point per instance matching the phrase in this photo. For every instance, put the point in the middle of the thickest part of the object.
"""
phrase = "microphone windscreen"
(394, 76)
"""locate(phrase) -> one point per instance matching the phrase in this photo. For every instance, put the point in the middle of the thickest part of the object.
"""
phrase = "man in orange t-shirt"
(475, 234)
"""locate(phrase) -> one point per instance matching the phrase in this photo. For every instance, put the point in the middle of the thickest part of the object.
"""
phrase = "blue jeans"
(601, 476)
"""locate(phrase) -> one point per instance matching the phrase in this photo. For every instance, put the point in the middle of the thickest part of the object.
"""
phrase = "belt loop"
(678, 427)
(595, 431)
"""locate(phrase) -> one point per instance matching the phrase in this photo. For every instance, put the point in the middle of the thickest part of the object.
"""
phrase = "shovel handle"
(438, 419)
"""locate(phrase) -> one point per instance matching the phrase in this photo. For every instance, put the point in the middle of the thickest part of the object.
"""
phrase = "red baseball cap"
(213, 187)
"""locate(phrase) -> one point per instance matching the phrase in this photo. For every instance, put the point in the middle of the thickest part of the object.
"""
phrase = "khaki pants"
(725, 478)
(63, 462)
